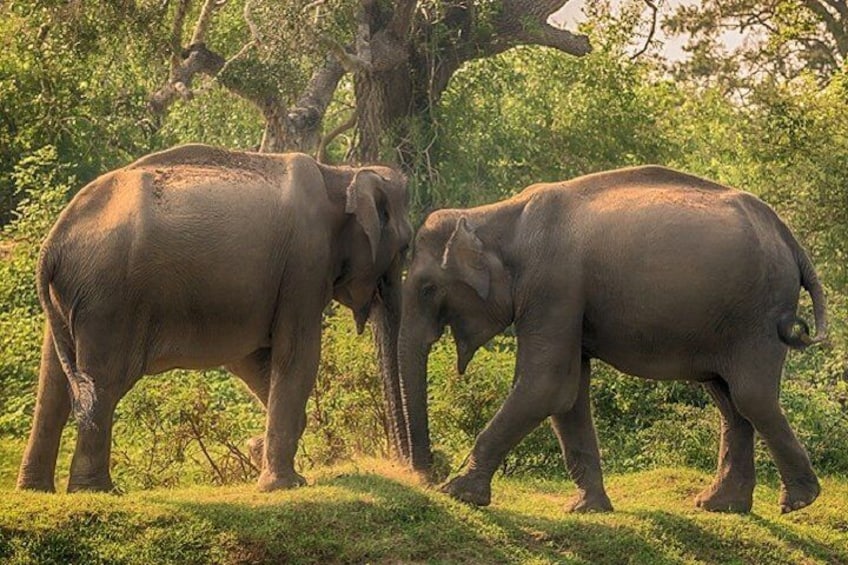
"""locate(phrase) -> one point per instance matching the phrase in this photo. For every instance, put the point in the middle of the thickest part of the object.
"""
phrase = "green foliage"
(530, 116)
(61, 85)
(346, 415)
(219, 120)
(41, 186)
(73, 94)
(782, 38)
(185, 427)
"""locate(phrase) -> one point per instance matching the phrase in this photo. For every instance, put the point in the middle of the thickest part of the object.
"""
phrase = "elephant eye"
(384, 216)
(428, 290)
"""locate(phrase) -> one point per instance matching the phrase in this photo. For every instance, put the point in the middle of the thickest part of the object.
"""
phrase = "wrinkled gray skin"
(199, 257)
(661, 274)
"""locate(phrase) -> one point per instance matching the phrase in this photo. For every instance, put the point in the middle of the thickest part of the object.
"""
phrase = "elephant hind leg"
(52, 408)
(577, 438)
(90, 464)
(115, 370)
(755, 391)
(732, 489)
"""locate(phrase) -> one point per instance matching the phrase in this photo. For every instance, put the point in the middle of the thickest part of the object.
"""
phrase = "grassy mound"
(372, 511)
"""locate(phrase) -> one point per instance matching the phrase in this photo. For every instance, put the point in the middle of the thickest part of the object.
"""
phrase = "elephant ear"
(361, 201)
(464, 256)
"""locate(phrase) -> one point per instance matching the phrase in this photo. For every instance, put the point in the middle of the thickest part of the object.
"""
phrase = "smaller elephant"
(661, 274)
(199, 257)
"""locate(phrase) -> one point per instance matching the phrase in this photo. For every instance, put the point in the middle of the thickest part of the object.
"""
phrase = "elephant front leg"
(547, 383)
(294, 367)
(525, 408)
(579, 443)
(733, 487)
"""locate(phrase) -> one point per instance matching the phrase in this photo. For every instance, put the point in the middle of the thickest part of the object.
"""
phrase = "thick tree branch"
(299, 127)
(186, 63)
(204, 19)
(321, 152)
(374, 52)
(401, 22)
(197, 59)
(838, 28)
(312, 104)
(526, 22)
(841, 6)
(177, 30)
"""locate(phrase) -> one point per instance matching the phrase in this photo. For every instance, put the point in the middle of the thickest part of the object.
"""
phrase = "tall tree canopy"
(782, 38)
(401, 55)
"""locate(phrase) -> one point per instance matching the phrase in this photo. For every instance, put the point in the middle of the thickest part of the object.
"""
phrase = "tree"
(782, 38)
(71, 78)
(401, 55)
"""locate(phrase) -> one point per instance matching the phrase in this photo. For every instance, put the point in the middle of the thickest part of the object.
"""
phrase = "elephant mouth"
(360, 315)
(345, 295)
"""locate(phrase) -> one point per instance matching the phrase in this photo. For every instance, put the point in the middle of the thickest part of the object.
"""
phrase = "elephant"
(199, 257)
(661, 274)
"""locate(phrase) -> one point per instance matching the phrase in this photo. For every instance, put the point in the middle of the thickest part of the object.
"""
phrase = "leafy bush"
(345, 415)
(185, 427)
(41, 186)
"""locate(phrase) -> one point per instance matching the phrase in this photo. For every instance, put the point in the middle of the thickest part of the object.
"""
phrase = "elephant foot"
(93, 485)
(35, 483)
(270, 481)
(256, 449)
(722, 497)
(469, 489)
(589, 502)
(799, 493)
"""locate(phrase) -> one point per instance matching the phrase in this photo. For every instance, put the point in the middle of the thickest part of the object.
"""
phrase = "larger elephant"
(198, 257)
(661, 274)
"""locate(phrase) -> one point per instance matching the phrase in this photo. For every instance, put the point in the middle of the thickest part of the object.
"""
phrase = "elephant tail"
(81, 384)
(794, 331)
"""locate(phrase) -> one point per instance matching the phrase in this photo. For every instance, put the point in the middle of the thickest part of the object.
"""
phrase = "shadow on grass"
(780, 542)
(809, 547)
(581, 538)
(660, 537)
(364, 517)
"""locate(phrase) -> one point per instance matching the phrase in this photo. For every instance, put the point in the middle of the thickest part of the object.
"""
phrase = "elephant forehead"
(425, 264)
(440, 224)
(428, 241)
(396, 178)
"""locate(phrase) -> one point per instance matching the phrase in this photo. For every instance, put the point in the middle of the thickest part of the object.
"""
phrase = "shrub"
(41, 185)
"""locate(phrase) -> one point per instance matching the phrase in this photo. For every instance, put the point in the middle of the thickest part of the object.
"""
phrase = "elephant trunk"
(413, 355)
(386, 319)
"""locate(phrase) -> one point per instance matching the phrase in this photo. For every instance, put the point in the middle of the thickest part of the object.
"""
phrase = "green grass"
(373, 511)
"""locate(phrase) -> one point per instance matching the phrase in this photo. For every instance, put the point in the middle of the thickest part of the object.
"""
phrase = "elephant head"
(374, 239)
(458, 279)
